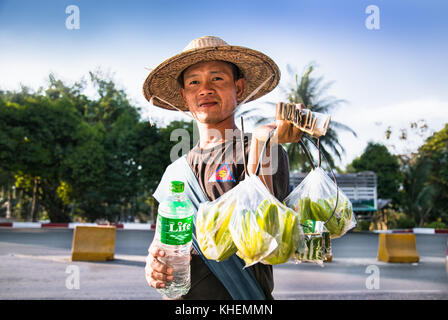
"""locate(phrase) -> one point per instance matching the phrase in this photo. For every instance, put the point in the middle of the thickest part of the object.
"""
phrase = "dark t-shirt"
(218, 170)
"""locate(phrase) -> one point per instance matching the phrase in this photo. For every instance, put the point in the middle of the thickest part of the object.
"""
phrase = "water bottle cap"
(177, 186)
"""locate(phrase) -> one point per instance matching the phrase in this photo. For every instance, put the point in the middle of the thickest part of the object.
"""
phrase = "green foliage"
(436, 225)
(90, 158)
(310, 91)
(418, 192)
(378, 159)
(435, 149)
(405, 222)
(391, 218)
(362, 225)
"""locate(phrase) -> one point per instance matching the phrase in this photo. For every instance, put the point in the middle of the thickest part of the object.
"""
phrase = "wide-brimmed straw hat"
(162, 83)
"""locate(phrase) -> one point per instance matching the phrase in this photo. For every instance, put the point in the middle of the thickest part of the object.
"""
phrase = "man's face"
(210, 91)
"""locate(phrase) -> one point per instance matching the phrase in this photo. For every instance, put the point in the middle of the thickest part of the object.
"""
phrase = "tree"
(37, 133)
(435, 149)
(310, 91)
(418, 193)
(420, 148)
(73, 156)
(377, 158)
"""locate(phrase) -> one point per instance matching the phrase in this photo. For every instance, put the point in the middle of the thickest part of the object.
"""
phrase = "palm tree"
(418, 192)
(309, 91)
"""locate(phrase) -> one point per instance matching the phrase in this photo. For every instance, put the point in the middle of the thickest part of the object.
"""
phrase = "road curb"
(41, 225)
(152, 226)
(415, 230)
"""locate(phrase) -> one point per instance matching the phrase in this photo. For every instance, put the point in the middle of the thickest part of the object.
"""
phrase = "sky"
(389, 76)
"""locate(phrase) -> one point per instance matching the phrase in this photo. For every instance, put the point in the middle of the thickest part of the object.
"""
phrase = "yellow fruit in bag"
(212, 231)
(255, 239)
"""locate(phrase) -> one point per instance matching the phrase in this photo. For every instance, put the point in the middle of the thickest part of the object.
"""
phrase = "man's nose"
(206, 89)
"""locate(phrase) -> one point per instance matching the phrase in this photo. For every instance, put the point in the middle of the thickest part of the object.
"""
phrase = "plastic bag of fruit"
(250, 221)
(262, 228)
(318, 198)
(212, 227)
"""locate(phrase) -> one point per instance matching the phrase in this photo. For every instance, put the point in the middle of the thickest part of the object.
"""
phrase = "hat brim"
(256, 67)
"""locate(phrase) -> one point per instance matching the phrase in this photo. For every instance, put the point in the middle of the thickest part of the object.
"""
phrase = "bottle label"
(175, 231)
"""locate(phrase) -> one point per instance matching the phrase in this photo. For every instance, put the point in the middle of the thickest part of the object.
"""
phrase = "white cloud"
(371, 122)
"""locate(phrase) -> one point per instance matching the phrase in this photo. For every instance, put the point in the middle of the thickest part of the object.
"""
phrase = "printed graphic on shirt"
(223, 174)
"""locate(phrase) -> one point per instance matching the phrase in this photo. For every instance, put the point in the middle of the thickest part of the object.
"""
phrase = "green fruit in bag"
(256, 237)
(303, 209)
(341, 220)
(319, 210)
(322, 210)
(270, 221)
(287, 240)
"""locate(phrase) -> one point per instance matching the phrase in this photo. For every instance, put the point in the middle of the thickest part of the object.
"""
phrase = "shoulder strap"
(240, 282)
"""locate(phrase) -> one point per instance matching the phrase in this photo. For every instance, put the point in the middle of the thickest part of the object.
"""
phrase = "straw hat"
(255, 66)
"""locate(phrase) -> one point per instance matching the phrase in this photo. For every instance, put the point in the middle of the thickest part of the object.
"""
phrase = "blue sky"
(388, 76)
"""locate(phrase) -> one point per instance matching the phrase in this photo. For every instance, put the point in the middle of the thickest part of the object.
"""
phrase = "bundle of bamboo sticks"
(314, 123)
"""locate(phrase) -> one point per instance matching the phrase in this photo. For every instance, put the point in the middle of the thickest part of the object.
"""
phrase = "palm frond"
(341, 126)
(310, 91)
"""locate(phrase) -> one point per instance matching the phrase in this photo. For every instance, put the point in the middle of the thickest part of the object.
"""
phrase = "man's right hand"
(156, 272)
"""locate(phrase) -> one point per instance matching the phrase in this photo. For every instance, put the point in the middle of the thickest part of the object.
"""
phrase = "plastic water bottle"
(174, 236)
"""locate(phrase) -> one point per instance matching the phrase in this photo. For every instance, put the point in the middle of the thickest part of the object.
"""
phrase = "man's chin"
(209, 120)
(212, 118)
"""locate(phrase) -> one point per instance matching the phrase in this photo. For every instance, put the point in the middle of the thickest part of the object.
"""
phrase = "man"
(209, 79)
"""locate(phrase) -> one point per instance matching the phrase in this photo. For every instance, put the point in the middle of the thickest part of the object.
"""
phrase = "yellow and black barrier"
(92, 243)
(397, 247)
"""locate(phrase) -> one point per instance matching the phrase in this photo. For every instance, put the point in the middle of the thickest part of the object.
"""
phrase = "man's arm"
(285, 132)
(256, 147)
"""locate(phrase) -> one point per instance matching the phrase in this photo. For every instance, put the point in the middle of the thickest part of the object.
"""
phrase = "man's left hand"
(285, 132)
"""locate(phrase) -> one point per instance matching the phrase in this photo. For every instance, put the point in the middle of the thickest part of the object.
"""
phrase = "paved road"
(35, 264)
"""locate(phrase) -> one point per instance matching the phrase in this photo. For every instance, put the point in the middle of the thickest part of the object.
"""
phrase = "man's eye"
(217, 78)
(194, 82)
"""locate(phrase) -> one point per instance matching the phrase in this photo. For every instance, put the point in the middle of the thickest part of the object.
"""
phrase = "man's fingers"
(156, 284)
(161, 267)
(150, 280)
(156, 252)
(161, 276)
(287, 132)
(296, 134)
(156, 279)
(156, 272)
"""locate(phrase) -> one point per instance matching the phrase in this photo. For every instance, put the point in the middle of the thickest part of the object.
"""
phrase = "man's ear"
(182, 94)
(240, 85)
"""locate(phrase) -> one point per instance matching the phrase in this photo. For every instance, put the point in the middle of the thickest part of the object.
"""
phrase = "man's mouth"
(207, 104)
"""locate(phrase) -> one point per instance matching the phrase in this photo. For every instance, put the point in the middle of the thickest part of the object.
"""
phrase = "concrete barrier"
(93, 243)
(394, 247)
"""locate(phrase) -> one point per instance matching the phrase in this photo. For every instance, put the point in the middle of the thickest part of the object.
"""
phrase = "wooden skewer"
(314, 124)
